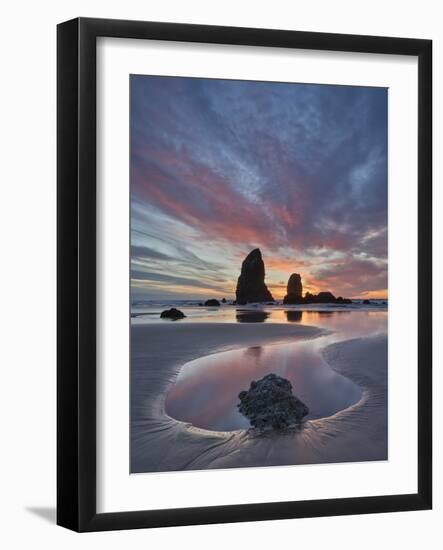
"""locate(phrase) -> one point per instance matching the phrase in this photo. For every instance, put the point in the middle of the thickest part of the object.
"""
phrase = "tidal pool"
(206, 390)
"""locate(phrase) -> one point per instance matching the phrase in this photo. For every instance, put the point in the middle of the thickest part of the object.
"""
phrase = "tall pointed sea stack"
(251, 285)
(294, 290)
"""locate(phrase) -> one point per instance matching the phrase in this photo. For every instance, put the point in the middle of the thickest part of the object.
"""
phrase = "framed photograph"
(244, 274)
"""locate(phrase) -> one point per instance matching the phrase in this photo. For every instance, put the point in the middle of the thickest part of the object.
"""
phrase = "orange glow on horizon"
(277, 289)
(382, 294)
(283, 265)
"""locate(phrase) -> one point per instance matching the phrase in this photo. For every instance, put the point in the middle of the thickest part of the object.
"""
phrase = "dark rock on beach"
(212, 303)
(251, 285)
(173, 314)
(270, 403)
(366, 302)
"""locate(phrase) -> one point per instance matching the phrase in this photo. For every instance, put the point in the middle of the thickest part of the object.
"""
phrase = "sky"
(220, 167)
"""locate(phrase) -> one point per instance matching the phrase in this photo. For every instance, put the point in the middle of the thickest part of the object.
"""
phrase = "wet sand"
(161, 443)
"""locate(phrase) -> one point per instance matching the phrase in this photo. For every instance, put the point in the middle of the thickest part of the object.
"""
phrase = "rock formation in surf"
(325, 298)
(251, 285)
(270, 403)
(173, 314)
(322, 298)
(294, 290)
(295, 294)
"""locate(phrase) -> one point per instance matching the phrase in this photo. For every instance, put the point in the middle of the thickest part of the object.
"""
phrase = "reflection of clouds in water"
(326, 313)
(206, 390)
(208, 395)
(268, 314)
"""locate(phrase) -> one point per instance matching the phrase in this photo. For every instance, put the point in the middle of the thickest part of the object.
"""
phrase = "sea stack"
(251, 285)
(294, 290)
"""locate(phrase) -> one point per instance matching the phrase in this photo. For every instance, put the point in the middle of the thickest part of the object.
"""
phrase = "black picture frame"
(76, 293)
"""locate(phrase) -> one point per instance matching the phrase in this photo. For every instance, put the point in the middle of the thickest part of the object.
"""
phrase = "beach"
(259, 273)
(160, 443)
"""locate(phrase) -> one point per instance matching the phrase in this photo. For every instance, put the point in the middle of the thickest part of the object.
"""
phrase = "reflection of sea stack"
(294, 290)
(251, 285)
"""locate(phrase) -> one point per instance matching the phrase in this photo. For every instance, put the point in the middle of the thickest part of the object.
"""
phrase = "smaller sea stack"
(294, 290)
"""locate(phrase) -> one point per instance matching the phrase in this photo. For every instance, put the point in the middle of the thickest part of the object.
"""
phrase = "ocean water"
(149, 311)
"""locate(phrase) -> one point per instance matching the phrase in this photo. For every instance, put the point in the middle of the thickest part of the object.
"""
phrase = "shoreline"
(152, 312)
(161, 443)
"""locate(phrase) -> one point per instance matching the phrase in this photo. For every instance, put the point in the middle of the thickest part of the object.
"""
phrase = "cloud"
(145, 252)
(170, 279)
(352, 277)
(219, 167)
